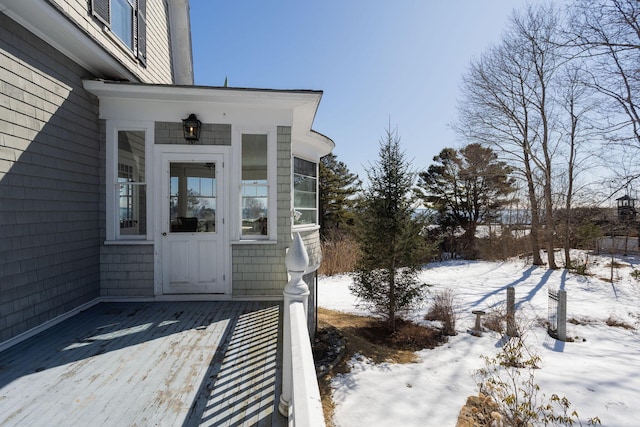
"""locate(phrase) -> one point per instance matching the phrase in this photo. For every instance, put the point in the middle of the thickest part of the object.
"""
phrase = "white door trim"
(163, 154)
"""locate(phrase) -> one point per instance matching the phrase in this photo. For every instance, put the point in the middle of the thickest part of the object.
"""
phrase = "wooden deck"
(149, 364)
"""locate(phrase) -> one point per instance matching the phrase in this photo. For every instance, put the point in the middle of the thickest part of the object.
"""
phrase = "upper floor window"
(127, 20)
(122, 20)
(305, 189)
(254, 190)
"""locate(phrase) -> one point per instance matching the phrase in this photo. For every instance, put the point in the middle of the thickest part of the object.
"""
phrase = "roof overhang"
(53, 26)
(155, 102)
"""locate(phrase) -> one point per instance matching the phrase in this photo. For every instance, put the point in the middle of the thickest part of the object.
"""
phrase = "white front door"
(192, 231)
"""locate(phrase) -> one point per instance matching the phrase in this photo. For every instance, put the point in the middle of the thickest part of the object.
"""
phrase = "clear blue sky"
(376, 61)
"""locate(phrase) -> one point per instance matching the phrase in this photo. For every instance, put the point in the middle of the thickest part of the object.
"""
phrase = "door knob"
(164, 234)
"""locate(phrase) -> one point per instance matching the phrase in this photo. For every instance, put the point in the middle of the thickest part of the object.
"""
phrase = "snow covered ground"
(599, 373)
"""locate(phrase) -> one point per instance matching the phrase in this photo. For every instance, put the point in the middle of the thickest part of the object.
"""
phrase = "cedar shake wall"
(49, 183)
(210, 134)
(259, 268)
(126, 271)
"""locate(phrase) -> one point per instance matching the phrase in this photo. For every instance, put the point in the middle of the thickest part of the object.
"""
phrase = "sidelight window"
(254, 191)
(130, 186)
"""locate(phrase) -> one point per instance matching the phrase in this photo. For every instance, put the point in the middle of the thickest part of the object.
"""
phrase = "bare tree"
(507, 103)
(576, 107)
(538, 30)
(608, 33)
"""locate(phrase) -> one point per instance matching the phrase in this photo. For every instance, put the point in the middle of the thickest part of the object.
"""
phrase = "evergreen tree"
(466, 187)
(337, 188)
(386, 277)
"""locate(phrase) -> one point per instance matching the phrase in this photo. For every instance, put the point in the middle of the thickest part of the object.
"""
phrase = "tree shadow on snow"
(525, 275)
(543, 281)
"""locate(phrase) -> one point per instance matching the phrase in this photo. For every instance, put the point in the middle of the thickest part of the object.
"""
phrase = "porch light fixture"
(191, 127)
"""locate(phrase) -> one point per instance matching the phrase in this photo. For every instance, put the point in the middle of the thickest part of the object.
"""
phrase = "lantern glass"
(191, 127)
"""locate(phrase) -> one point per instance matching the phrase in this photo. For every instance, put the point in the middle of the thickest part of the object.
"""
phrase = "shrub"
(612, 321)
(580, 266)
(496, 319)
(502, 246)
(443, 308)
(339, 255)
(508, 380)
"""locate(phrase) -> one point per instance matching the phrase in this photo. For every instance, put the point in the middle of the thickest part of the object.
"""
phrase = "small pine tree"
(386, 277)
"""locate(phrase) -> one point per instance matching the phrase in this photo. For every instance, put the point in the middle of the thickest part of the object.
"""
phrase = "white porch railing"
(300, 399)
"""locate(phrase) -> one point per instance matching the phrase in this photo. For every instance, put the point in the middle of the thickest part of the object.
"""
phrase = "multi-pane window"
(127, 20)
(254, 190)
(192, 197)
(131, 185)
(305, 188)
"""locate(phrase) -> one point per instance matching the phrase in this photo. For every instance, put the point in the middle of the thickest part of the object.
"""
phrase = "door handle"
(164, 234)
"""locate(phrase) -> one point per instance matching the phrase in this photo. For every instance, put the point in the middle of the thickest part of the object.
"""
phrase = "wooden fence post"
(512, 330)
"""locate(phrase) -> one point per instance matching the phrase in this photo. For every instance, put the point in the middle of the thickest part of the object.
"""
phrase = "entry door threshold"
(194, 297)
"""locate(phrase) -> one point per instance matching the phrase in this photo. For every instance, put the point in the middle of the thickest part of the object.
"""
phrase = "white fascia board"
(50, 25)
(176, 111)
(305, 140)
(120, 101)
(244, 107)
(312, 145)
(282, 98)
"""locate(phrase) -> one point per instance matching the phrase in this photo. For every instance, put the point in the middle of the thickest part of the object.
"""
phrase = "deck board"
(149, 364)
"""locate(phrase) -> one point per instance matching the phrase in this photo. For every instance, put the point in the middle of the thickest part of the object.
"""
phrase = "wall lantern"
(191, 127)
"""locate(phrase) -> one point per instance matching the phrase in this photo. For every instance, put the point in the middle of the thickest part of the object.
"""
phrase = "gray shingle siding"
(258, 269)
(49, 183)
(210, 134)
(127, 271)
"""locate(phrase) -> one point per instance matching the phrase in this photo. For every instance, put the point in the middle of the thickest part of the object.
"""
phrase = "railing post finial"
(297, 261)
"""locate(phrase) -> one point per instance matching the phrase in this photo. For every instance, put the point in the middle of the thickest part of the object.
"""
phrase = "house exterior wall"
(311, 240)
(49, 183)
(158, 68)
(210, 134)
(258, 269)
(126, 271)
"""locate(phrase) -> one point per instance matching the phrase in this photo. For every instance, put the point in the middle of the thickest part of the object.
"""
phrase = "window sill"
(122, 46)
(254, 242)
(128, 242)
(305, 227)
